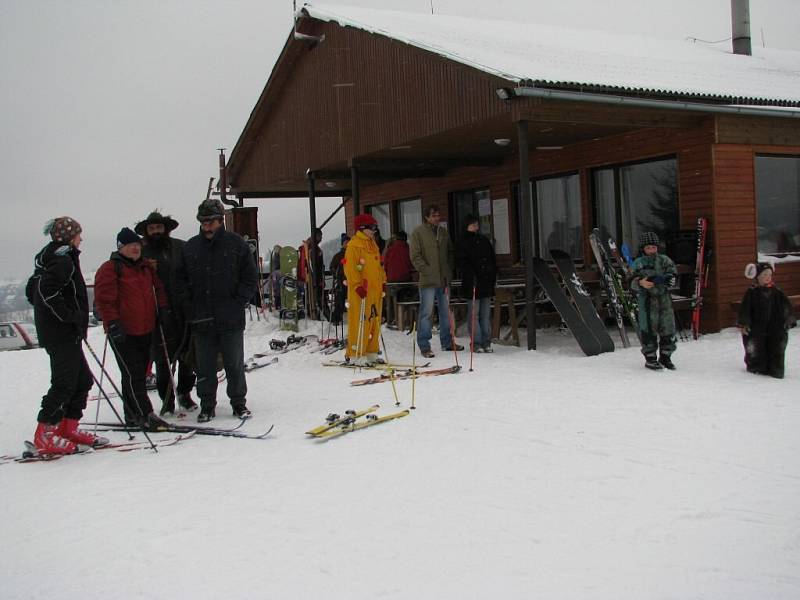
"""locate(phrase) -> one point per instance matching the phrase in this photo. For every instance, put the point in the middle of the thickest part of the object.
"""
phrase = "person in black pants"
(61, 313)
(164, 252)
(216, 279)
(124, 295)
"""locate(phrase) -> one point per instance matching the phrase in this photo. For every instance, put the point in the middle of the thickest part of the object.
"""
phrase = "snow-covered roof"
(584, 59)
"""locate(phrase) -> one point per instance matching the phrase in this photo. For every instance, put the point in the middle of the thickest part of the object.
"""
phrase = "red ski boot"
(47, 440)
(68, 429)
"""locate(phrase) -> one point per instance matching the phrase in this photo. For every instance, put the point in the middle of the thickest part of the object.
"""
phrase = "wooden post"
(354, 191)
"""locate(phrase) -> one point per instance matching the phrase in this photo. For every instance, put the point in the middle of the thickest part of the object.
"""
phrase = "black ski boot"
(666, 362)
(186, 403)
(153, 422)
(168, 407)
(651, 363)
(241, 411)
(206, 414)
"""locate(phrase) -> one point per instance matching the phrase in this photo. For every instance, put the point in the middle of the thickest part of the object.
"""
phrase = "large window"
(778, 201)
(558, 215)
(409, 215)
(473, 202)
(632, 199)
(380, 213)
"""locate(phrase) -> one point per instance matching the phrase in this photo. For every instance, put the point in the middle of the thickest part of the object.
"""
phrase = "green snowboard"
(289, 259)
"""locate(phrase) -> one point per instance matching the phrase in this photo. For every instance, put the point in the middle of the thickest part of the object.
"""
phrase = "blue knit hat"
(127, 235)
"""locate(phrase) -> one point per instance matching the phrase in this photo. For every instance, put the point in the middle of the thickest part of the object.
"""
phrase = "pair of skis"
(32, 454)
(573, 303)
(352, 420)
(198, 430)
(405, 373)
(612, 277)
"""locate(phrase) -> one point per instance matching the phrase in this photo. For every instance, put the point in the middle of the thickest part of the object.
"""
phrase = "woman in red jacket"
(125, 291)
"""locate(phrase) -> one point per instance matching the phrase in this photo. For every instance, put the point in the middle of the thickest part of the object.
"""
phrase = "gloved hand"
(361, 291)
(116, 332)
(79, 319)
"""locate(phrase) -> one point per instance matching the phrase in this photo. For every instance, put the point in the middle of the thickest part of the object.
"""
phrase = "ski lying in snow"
(253, 364)
(397, 375)
(377, 366)
(282, 347)
(369, 421)
(32, 454)
(202, 431)
(334, 420)
(175, 427)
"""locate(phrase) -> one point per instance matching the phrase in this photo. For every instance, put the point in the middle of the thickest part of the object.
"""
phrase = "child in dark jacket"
(764, 318)
(653, 275)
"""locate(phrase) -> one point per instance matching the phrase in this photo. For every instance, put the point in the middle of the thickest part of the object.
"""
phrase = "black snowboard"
(582, 299)
(586, 340)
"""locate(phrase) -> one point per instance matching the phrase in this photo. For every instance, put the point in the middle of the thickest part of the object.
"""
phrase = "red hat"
(365, 220)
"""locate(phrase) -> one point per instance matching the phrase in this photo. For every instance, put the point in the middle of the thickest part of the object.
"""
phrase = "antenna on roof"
(311, 40)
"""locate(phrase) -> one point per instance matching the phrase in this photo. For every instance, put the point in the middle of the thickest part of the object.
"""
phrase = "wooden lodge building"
(397, 111)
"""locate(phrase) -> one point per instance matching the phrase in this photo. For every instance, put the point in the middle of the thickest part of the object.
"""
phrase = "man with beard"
(164, 253)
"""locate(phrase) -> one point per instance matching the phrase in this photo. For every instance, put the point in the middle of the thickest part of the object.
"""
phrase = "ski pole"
(111, 404)
(472, 331)
(391, 372)
(413, 364)
(361, 312)
(116, 389)
(166, 352)
(99, 386)
(452, 325)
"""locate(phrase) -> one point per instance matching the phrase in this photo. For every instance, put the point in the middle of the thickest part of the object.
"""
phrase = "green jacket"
(432, 255)
(655, 305)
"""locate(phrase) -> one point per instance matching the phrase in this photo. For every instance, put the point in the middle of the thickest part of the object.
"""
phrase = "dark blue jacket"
(216, 279)
(58, 294)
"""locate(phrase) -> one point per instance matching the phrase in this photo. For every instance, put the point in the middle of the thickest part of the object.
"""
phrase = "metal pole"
(527, 231)
(312, 249)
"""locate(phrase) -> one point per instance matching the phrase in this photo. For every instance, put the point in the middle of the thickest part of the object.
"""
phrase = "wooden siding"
(353, 94)
(736, 217)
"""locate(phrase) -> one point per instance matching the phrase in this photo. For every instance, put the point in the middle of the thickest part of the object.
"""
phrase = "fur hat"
(62, 229)
(210, 209)
(156, 218)
(362, 221)
(126, 236)
(753, 270)
(648, 238)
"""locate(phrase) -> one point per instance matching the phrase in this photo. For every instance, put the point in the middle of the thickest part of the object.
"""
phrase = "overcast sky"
(110, 109)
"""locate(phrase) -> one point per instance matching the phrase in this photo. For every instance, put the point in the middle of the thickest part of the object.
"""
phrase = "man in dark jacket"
(128, 294)
(61, 313)
(164, 252)
(216, 279)
(476, 263)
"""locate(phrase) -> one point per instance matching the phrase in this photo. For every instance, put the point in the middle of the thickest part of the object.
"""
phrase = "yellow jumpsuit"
(363, 267)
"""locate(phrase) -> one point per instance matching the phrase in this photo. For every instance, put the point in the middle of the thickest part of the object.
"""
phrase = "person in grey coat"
(433, 256)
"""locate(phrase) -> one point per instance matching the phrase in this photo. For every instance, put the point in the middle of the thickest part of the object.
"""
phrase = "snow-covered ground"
(539, 475)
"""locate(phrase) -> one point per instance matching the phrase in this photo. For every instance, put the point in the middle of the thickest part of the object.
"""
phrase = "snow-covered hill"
(539, 475)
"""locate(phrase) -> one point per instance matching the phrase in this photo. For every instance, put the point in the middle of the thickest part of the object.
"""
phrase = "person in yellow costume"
(365, 282)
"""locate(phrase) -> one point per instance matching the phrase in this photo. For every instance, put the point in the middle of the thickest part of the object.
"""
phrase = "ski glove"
(362, 292)
(78, 318)
(116, 332)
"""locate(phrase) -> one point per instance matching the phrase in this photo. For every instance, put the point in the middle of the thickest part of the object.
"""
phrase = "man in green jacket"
(432, 255)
